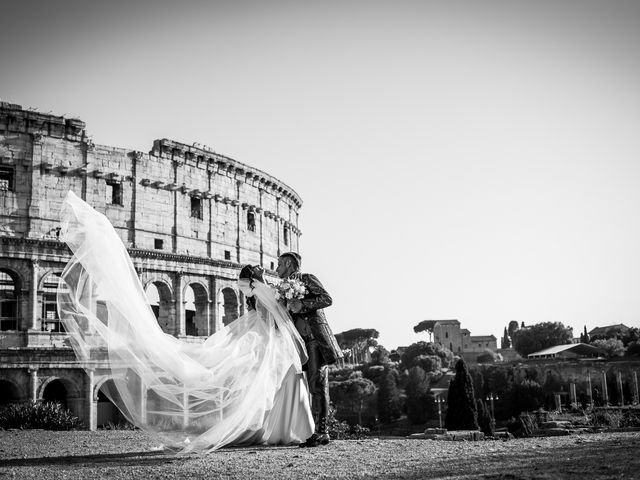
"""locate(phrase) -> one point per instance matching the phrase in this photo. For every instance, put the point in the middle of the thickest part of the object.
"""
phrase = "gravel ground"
(121, 454)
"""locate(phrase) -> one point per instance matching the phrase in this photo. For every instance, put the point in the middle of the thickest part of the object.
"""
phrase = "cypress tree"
(388, 397)
(461, 409)
(485, 421)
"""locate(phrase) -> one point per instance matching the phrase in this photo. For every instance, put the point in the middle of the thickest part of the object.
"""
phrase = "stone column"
(180, 327)
(34, 295)
(143, 401)
(572, 392)
(620, 391)
(636, 398)
(558, 402)
(91, 414)
(590, 389)
(185, 408)
(605, 392)
(33, 384)
(207, 316)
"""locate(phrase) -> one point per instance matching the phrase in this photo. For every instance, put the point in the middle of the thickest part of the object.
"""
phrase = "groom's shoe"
(316, 440)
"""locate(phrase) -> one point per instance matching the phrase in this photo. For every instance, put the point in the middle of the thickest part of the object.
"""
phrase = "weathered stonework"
(189, 217)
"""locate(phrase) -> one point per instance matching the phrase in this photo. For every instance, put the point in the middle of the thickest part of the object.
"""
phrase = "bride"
(242, 385)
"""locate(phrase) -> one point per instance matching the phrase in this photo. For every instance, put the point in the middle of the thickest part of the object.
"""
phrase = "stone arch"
(70, 387)
(9, 392)
(106, 411)
(160, 296)
(196, 309)
(229, 303)
(10, 296)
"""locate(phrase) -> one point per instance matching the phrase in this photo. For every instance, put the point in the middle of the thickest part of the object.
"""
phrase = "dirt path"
(118, 455)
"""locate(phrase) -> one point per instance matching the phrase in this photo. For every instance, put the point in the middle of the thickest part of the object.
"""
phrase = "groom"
(322, 347)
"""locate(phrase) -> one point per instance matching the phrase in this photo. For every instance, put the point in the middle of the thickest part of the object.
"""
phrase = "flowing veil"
(200, 396)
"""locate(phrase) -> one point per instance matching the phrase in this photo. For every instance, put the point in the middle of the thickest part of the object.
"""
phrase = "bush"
(523, 426)
(45, 415)
(342, 430)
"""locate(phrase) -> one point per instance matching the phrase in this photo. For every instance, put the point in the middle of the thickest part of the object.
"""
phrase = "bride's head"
(246, 280)
(251, 273)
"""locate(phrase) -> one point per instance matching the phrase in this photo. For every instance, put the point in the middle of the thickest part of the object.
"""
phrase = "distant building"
(480, 343)
(448, 334)
(611, 331)
(568, 351)
(459, 340)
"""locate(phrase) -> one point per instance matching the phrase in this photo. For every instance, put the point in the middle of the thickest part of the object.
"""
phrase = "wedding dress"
(242, 385)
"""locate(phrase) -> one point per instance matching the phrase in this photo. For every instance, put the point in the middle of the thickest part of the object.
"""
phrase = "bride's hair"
(251, 273)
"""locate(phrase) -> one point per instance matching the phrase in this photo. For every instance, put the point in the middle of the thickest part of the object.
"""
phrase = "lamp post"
(439, 400)
(492, 398)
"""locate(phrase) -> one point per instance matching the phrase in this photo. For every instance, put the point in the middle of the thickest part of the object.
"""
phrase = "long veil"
(200, 396)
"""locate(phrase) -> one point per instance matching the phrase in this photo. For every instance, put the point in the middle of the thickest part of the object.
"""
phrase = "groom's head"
(288, 263)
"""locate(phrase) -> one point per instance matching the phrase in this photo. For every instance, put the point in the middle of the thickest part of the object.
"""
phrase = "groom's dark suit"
(321, 344)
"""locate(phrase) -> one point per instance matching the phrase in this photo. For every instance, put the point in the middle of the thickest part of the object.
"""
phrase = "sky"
(476, 160)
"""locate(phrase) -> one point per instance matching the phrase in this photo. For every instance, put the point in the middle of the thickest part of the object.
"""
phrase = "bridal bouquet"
(290, 289)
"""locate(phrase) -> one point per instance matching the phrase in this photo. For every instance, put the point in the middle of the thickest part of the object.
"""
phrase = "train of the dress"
(244, 383)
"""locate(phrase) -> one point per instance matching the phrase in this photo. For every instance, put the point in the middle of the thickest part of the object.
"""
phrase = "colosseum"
(189, 217)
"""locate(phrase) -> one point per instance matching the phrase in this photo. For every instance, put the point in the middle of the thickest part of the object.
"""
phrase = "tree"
(612, 347)
(540, 336)
(489, 356)
(351, 396)
(631, 335)
(524, 396)
(357, 339)
(380, 356)
(461, 411)
(417, 392)
(633, 349)
(584, 336)
(425, 326)
(513, 326)
(410, 356)
(506, 342)
(388, 396)
(486, 422)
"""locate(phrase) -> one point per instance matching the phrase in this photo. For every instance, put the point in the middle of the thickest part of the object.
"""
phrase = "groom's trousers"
(318, 379)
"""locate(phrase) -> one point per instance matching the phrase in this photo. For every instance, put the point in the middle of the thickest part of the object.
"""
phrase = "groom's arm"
(316, 298)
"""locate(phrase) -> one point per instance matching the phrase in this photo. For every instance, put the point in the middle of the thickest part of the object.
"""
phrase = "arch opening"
(229, 305)
(196, 313)
(55, 392)
(159, 297)
(107, 413)
(9, 392)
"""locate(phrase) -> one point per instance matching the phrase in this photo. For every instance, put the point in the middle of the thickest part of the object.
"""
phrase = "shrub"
(523, 426)
(45, 415)
(342, 430)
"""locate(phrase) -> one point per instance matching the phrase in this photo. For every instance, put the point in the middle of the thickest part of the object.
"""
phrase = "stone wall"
(189, 217)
